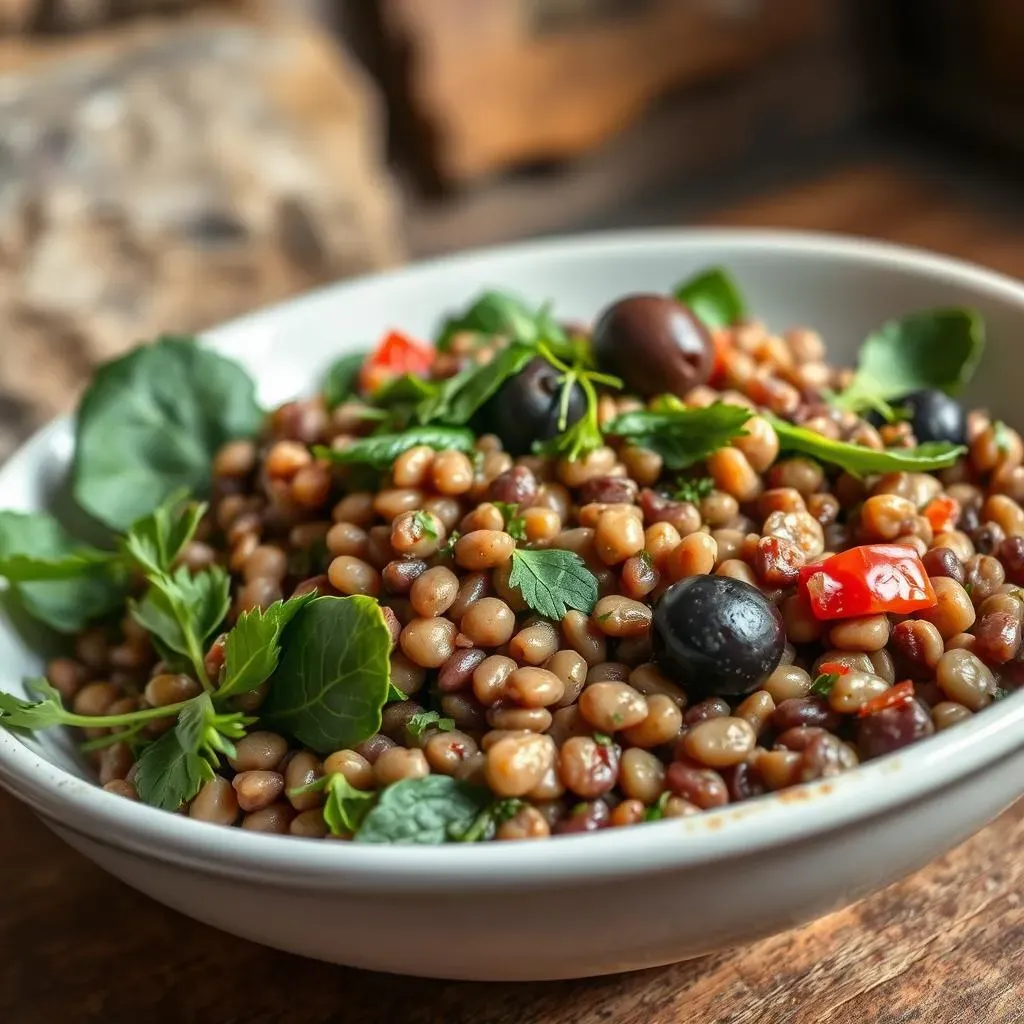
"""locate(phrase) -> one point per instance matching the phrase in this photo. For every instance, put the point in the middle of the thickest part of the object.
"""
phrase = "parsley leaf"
(419, 723)
(937, 348)
(515, 524)
(423, 521)
(448, 549)
(713, 297)
(553, 581)
(694, 490)
(381, 450)
(682, 436)
(860, 461)
(822, 685)
(156, 540)
(57, 581)
(253, 647)
(346, 807)
(1001, 436)
(657, 810)
(496, 314)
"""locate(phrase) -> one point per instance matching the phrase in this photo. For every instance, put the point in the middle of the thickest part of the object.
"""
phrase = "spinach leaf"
(458, 398)
(682, 436)
(346, 807)
(150, 423)
(424, 720)
(553, 581)
(342, 379)
(253, 648)
(56, 580)
(333, 677)
(859, 461)
(937, 348)
(497, 313)
(381, 450)
(156, 540)
(434, 809)
(713, 297)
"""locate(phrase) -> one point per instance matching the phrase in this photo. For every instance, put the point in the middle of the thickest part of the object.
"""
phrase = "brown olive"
(654, 343)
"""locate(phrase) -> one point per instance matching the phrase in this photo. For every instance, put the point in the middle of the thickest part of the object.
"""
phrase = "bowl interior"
(843, 288)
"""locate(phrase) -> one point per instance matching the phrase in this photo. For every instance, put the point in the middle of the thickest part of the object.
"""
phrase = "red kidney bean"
(997, 637)
(516, 486)
(457, 672)
(743, 781)
(825, 756)
(398, 576)
(1011, 554)
(944, 562)
(701, 786)
(893, 728)
(797, 711)
(584, 817)
(609, 490)
(711, 707)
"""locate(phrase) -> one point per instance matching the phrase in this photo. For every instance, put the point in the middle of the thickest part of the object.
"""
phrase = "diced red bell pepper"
(396, 354)
(833, 668)
(867, 580)
(942, 513)
(721, 342)
(896, 696)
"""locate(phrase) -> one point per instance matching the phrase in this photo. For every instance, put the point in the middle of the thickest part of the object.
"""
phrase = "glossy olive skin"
(892, 728)
(717, 635)
(654, 344)
(933, 415)
(526, 407)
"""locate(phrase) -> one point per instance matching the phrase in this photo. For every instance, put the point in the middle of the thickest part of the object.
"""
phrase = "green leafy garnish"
(693, 490)
(183, 612)
(515, 524)
(345, 807)
(496, 314)
(333, 678)
(602, 739)
(859, 461)
(822, 685)
(457, 400)
(423, 522)
(381, 450)
(61, 583)
(432, 810)
(713, 297)
(150, 423)
(342, 380)
(448, 549)
(657, 810)
(1001, 436)
(553, 581)
(937, 348)
(253, 648)
(682, 436)
(419, 723)
(156, 540)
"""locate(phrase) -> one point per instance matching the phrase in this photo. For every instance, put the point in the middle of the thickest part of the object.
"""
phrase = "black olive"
(527, 407)
(933, 416)
(654, 343)
(714, 634)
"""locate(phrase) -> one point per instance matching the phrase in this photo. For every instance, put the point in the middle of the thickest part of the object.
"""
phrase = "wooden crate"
(503, 82)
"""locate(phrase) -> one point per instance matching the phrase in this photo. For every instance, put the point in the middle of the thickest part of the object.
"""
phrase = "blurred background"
(166, 164)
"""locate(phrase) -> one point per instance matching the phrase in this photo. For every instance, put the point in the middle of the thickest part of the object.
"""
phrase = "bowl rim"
(76, 806)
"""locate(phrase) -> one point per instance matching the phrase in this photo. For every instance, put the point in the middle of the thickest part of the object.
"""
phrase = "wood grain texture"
(945, 946)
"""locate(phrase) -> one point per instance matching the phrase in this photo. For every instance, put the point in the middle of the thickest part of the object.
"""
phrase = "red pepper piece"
(396, 354)
(897, 696)
(833, 668)
(942, 513)
(867, 580)
(721, 343)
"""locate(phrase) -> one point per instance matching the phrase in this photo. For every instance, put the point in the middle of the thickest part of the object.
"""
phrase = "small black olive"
(654, 343)
(714, 634)
(933, 416)
(527, 407)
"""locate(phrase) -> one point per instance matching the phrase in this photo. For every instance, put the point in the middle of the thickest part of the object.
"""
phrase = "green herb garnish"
(333, 678)
(498, 314)
(1001, 436)
(345, 806)
(342, 380)
(553, 581)
(682, 436)
(432, 810)
(150, 424)
(860, 461)
(713, 297)
(822, 685)
(424, 720)
(937, 348)
(657, 810)
(515, 524)
(693, 490)
(381, 450)
(423, 522)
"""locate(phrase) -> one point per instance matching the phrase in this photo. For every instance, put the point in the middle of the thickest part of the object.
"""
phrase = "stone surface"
(169, 175)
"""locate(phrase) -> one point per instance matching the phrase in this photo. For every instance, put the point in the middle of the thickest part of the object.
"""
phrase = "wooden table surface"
(943, 947)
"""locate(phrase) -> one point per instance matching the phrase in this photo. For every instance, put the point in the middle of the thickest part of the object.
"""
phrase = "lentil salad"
(532, 579)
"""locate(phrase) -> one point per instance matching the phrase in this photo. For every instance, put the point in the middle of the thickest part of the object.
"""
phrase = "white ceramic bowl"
(621, 899)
